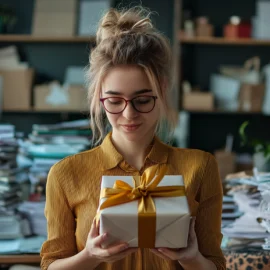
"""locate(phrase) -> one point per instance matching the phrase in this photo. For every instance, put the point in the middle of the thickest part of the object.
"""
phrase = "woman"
(129, 80)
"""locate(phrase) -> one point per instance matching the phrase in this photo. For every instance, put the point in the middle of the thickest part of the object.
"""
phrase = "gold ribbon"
(144, 192)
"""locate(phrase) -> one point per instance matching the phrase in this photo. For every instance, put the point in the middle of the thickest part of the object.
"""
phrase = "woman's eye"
(142, 100)
(115, 101)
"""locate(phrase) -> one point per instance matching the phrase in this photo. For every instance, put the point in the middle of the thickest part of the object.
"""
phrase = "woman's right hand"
(111, 254)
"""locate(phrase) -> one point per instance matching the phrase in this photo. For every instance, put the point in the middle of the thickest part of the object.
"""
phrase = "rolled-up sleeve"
(208, 220)
(61, 225)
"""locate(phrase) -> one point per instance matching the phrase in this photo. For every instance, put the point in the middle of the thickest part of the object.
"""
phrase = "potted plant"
(7, 19)
(261, 155)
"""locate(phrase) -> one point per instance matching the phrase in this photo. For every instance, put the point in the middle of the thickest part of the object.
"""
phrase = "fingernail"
(161, 250)
(104, 235)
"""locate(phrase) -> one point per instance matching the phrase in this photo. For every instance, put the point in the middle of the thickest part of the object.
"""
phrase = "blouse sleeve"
(208, 219)
(61, 242)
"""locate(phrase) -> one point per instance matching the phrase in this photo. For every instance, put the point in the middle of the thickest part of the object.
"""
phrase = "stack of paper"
(11, 176)
(247, 225)
(230, 210)
(13, 227)
(34, 211)
(22, 245)
(246, 190)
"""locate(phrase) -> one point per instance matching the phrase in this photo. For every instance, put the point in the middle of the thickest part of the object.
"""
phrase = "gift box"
(166, 226)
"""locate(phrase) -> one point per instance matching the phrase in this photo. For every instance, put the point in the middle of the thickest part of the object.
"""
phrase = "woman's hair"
(128, 37)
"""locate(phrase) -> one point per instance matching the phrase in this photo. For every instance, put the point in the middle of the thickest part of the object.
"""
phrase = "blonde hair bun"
(115, 23)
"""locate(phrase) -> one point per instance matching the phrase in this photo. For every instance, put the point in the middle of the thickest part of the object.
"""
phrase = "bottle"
(189, 29)
(231, 30)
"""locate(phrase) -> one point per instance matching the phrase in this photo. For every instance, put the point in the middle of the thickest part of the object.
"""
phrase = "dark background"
(207, 130)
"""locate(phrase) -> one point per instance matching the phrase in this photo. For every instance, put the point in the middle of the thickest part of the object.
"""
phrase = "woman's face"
(130, 82)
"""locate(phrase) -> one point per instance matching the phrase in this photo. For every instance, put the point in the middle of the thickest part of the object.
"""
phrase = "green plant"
(259, 146)
(7, 18)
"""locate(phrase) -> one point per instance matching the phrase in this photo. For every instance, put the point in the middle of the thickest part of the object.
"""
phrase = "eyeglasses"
(142, 104)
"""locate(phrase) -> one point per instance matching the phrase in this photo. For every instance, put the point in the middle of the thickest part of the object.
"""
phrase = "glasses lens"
(114, 104)
(144, 104)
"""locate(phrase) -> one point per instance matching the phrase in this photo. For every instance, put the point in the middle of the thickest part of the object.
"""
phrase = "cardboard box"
(54, 18)
(203, 101)
(251, 97)
(172, 216)
(226, 162)
(55, 5)
(17, 86)
(76, 99)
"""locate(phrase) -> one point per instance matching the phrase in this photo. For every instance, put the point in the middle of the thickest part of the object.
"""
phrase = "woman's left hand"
(183, 254)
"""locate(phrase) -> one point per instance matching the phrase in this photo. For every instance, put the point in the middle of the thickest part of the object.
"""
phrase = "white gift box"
(172, 216)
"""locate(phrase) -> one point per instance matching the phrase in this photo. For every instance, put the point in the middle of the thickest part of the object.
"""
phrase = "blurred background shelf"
(11, 259)
(34, 111)
(224, 41)
(220, 112)
(52, 39)
(216, 111)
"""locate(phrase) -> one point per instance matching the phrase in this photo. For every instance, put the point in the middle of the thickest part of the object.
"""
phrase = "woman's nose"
(129, 112)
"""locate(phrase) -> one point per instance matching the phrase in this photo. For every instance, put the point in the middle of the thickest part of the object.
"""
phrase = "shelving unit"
(44, 39)
(199, 57)
(41, 111)
(220, 112)
(224, 41)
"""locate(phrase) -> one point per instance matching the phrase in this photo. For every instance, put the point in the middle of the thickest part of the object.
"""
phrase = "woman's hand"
(110, 254)
(183, 254)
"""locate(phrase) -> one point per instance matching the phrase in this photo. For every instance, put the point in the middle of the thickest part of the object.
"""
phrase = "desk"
(20, 259)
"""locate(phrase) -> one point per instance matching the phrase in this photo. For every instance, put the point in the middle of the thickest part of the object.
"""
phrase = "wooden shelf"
(216, 112)
(213, 112)
(14, 259)
(44, 39)
(224, 41)
(41, 111)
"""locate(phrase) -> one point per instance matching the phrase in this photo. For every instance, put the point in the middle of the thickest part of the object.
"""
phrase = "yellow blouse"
(72, 198)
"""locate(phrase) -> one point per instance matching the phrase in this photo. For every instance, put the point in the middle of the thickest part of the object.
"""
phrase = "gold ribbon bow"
(145, 188)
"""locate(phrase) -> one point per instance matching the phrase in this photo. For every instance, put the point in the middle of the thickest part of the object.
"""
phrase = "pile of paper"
(45, 146)
(34, 212)
(230, 210)
(248, 228)
(22, 245)
(10, 174)
(12, 188)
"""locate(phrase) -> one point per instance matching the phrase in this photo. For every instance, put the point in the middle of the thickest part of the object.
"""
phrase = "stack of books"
(48, 144)
(248, 228)
(9, 187)
(45, 146)
(12, 179)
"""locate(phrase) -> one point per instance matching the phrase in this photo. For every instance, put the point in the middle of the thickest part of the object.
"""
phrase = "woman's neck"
(134, 152)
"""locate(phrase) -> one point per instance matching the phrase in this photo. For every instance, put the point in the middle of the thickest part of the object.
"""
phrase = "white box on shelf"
(226, 91)
(90, 14)
(74, 75)
(263, 10)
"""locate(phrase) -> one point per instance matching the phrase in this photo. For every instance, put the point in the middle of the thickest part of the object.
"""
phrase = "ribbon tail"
(146, 222)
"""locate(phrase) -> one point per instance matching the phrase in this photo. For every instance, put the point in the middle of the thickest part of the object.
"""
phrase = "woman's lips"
(131, 127)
